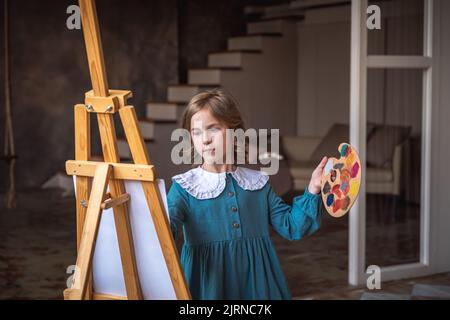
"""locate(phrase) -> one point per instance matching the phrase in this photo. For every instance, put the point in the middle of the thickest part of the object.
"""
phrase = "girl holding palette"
(225, 211)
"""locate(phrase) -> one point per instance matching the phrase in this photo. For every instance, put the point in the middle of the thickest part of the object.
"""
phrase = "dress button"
(230, 193)
(235, 225)
(233, 208)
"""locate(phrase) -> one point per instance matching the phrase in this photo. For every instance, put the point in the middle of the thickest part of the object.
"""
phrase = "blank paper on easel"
(107, 267)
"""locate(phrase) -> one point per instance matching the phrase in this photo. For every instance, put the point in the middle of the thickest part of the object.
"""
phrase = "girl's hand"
(316, 177)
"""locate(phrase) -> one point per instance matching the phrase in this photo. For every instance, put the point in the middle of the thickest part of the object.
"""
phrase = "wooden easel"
(105, 103)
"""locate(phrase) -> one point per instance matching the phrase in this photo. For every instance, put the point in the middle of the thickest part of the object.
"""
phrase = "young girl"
(225, 212)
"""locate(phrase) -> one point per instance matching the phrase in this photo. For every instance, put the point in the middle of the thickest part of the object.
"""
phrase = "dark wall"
(204, 26)
(50, 73)
(147, 45)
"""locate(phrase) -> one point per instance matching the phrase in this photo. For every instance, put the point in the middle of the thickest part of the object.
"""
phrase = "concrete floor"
(37, 244)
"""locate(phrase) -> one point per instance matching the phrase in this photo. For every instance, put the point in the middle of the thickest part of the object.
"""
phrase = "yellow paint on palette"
(349, 160)
(354, 187)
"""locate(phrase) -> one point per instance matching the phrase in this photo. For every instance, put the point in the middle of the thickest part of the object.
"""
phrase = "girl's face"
(209, 137)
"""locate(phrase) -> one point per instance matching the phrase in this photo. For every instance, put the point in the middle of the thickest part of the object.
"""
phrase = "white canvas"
(107, 267)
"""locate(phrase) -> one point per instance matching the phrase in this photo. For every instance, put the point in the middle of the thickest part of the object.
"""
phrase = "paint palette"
(341, 180)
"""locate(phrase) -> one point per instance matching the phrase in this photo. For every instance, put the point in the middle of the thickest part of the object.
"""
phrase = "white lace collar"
(204, 184)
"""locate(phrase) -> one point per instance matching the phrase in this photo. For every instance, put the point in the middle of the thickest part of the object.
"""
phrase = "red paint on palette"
(336, 205)
(355, 170)
(336, 190)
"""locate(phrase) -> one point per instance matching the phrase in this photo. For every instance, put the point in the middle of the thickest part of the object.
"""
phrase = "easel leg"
(83, 184)
(90, 230)
(154, 201)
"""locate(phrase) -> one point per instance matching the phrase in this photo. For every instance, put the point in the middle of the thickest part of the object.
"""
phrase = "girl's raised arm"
(301, 219)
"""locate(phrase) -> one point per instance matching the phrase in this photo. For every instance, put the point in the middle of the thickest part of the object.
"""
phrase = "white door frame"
(360, 63)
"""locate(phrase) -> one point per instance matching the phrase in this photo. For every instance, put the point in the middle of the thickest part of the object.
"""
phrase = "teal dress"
(227, 251)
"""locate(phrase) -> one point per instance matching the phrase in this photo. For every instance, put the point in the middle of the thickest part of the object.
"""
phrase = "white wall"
(266, 86)
(440, 174)
(394, 96)
(323, 75)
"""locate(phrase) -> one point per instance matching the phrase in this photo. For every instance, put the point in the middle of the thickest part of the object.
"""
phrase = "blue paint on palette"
(330, 199)
(344, 147)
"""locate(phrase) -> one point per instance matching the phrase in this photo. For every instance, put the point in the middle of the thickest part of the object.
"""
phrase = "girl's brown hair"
(221, 105)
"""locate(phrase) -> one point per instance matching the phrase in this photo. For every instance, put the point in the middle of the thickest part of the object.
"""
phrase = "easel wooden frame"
(105, 103)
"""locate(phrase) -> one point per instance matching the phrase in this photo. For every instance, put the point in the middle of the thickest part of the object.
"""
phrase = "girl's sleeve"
(301, 219)
(177, 202)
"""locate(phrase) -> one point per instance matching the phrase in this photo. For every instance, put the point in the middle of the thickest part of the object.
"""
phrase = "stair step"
(164, 110)
(207, 76)
(61, 181)
(286, 10)
(250, 42)
(254, 9)
(315, 4)
(231, 58)
(184, 93)
(161, 121)
(294, 17)
(267, 26)
(237, 51)
(123, 148)
(147, 129)
(277, 8)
